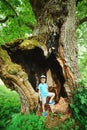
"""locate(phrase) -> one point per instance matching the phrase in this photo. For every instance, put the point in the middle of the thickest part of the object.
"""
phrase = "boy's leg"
(43, 103)
(43, 106)
(52, 95)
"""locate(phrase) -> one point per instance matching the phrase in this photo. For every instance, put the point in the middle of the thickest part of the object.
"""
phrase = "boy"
(43, 93)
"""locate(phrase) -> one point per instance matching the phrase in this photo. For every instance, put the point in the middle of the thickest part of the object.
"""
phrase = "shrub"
(69, 124)
(27, 122)
(80, 106)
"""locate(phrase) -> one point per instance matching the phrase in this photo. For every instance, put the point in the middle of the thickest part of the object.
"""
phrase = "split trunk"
(52, 50)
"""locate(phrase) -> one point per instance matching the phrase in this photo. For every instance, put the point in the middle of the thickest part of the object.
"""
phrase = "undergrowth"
(11, 119)
(80, 105)
(27, 122)
(9, 104)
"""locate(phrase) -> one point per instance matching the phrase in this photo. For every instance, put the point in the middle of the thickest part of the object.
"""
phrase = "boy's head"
(43, 78)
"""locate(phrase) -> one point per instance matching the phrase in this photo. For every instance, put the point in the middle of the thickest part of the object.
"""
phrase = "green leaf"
(16, 27)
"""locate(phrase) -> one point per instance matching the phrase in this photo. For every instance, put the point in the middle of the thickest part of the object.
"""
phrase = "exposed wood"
(61, 107)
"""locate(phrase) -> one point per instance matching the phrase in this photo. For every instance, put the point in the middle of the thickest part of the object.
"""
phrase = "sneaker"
(44, 114)
(51, 103)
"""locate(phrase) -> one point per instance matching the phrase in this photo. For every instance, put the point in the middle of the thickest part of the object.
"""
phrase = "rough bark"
(58, 18)
(16, 79)
(52, 50)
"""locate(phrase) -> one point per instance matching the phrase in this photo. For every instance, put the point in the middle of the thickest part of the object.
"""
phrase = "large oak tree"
(51, 50)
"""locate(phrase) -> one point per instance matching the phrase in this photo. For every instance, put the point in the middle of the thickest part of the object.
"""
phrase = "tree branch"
(30, 25)
(82, 20)
(10, 7)
(77, 1)
(37, 5)
(6, 18)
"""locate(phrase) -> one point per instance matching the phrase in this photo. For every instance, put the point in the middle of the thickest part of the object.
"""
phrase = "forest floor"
(55, 119)
(56, 114)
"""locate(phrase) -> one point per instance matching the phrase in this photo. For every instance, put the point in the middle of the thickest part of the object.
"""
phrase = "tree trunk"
(52, 50)
(57, 20)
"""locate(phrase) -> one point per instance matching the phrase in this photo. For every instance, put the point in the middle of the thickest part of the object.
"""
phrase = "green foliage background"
(80, 106)
(16, 27)
(9, 104)
(82, 39)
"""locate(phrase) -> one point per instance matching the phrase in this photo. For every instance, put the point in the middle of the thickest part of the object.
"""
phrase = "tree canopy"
(16, 19)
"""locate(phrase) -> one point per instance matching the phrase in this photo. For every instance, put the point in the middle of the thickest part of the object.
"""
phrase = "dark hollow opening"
(35, 63)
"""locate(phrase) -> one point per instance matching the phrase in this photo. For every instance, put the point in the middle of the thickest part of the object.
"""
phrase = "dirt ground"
(55, 113)
(53, 120)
